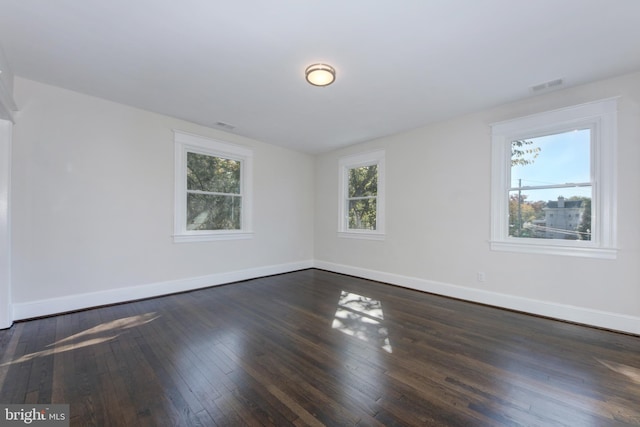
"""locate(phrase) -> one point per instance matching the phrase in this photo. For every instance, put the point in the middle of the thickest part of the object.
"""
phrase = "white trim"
(68, 303)
(187, 142)
(353, 161)
(570, 313)
(364, 235)
(219, 235)
(539, 123)
(6, 315)
(601, 117)
(590, 317)
(210, 144)
(546, 247)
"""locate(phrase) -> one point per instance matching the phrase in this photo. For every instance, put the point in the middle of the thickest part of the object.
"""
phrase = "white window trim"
(601, 116)
(186, 142)
(6, 307)
(354, 161)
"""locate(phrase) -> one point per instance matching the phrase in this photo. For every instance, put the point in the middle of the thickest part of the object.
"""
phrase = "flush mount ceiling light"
(320, 74)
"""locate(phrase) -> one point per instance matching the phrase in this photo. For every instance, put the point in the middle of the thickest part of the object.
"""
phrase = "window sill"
(209, 237)
(364, 235)
(554, 249)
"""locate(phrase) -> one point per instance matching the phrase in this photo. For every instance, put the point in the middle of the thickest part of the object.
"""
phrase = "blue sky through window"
(563, 158)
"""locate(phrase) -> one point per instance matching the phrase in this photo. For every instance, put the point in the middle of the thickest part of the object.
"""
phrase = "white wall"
(7, 114)
(6, 309)
(6, 75)
(438, 206)
(92, 211)
(93, 206)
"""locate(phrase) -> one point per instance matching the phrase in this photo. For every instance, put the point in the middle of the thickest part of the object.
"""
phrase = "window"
(212, 189)
(361, 192)
(553, 182)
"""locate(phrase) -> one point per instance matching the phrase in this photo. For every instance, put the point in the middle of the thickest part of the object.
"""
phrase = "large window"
(361, 192)
(213, 189)
(553, 188)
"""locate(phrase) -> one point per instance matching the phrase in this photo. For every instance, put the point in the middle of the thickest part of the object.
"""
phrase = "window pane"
(560, 213)
(362, 214)
(209, 212)
(551, 160)
(214, 174)
(363, 181)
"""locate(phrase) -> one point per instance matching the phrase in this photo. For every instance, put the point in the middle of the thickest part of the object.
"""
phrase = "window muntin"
(581, 194)
(212, 189)
(551, 187)
(361, 203)
(362, 197)
(214, 197)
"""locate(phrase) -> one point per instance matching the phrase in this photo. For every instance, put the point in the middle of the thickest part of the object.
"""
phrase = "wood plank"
(266, 352)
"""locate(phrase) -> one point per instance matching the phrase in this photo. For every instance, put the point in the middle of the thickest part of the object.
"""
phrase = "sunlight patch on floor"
(628, 371)
(99, 334)
(362, 317)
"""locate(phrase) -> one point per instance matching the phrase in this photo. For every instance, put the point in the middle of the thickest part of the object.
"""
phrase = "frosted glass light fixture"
(320, 74)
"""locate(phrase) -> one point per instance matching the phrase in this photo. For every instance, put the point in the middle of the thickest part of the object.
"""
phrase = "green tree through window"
(553, 187)
(214, 199)
(540, 180)
(362, 197)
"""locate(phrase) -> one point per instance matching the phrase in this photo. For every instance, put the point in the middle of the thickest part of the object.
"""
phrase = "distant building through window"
(553, 182)
(563, 219)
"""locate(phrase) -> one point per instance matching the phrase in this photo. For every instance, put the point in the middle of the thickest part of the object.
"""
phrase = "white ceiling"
(400, 64)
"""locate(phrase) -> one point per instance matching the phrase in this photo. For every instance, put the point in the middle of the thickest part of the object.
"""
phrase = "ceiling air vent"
(551, 84)
(225, 126)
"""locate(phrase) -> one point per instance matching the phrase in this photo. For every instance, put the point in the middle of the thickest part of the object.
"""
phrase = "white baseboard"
(601, 319)
(586, 316)
(67, 303)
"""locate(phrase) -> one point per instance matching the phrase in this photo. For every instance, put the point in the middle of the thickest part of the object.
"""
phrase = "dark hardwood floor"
(316, 348)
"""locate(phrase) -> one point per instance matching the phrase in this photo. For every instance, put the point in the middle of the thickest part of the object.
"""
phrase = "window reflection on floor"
(362, 317)
(630, 372)
(99, 334)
